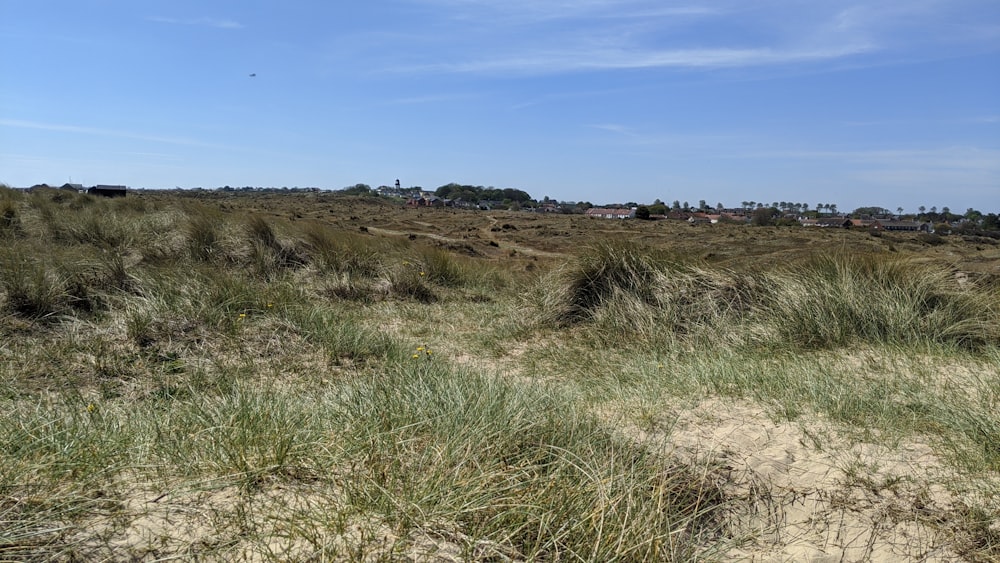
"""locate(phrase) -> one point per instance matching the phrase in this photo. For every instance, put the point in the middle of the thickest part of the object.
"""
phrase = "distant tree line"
(479, 193)
(761, 213)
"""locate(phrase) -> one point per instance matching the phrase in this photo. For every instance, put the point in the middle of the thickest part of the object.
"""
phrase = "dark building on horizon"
(107, 191)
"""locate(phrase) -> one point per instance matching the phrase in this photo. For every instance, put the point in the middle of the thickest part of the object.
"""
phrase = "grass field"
(284, 377)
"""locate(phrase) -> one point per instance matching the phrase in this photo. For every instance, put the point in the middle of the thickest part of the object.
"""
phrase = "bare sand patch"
(807, 493)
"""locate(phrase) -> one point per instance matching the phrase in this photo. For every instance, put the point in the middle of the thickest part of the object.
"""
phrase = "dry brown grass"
(243, 384)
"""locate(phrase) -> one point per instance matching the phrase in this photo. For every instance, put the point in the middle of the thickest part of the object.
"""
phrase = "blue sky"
(875, 102)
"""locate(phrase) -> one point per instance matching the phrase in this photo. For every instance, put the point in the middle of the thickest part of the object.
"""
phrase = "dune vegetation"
(335, 378)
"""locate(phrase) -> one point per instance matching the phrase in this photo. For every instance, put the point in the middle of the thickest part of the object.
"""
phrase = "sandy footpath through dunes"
(503, 245)
(813, 496)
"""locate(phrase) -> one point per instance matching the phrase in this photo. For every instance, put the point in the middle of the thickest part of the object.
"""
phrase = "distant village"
(460, 196)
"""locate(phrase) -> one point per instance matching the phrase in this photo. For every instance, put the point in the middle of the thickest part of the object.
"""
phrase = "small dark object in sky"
(253, 75)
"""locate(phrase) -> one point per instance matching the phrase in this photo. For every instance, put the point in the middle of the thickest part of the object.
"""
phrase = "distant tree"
(763, 216)
(719, 206)
(446, 190)
(658, 209)
(869, 212)
(642, 212)
(687, 206)
(356, 189)
(833, 208)
(675, 205)
(922, 209)
(702, 204)
(991, 222)
(519, 196)
(899, 210)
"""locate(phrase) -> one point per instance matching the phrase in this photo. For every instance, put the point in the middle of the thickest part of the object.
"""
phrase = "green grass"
(827, 301)
(253, 379)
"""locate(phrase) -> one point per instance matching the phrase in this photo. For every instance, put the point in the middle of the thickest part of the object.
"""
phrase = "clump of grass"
(409, 281)
(442, 267)
(268, 255)
(246, 433)
(32, 290)
(103, 230)
(342, 338)
(519, 470)
(343, 252)
(59, 459)
(634, 293)
(96, 224)
(203, 236)
(10, 221)
(825, 302)
(841, 299)
(82, 200)
(598, 276)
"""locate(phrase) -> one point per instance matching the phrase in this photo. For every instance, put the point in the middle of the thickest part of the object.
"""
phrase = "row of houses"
(611, 212)
(698, 218)
(431, 200)
(871, 224)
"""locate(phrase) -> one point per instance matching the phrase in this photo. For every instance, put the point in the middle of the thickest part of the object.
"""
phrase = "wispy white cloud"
(531, 37)
(622, 58)
(64, 128)
(205, 22)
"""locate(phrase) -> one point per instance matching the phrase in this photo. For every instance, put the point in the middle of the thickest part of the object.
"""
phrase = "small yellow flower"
(420, 348)
(243, 315)
(270, 305)
(415, 356)
(421, 273)
(91, 407)
(660, 366)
